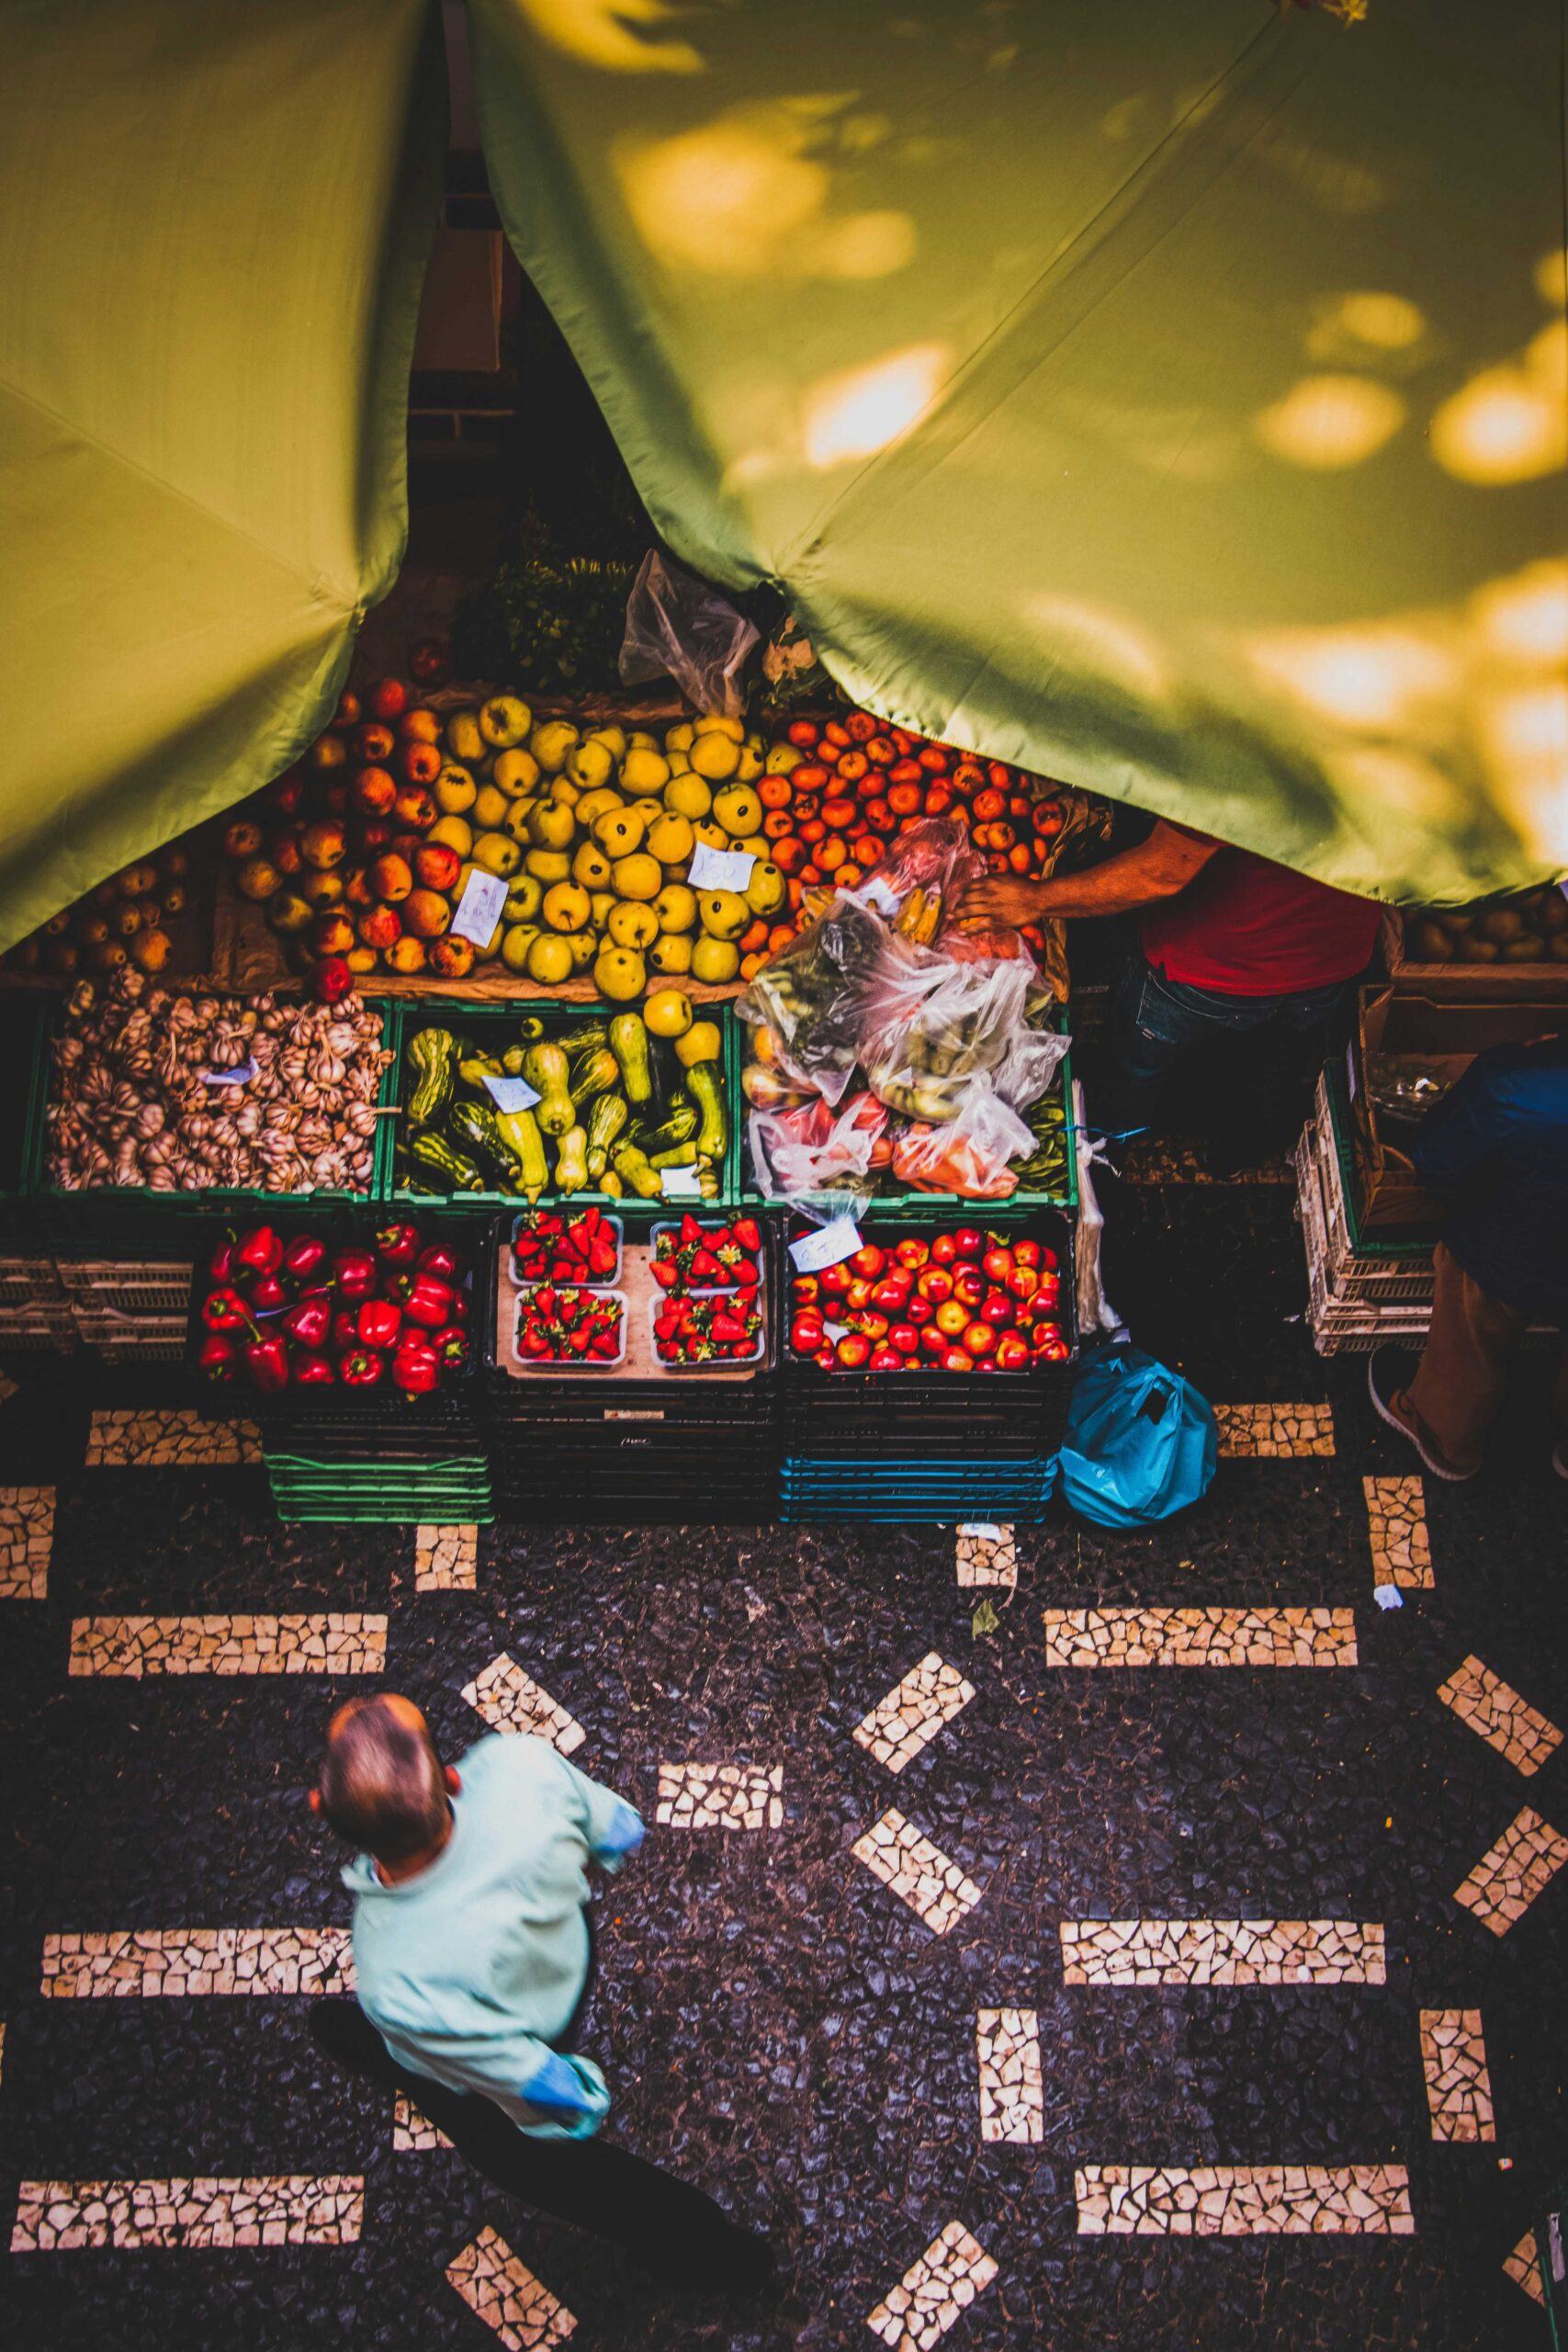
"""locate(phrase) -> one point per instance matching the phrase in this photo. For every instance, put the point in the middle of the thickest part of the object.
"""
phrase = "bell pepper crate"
(490, 1030)
(376, 1417)
(124, 1219)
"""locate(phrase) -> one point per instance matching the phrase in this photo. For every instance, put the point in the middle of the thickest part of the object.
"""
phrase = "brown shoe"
(1386, 1372)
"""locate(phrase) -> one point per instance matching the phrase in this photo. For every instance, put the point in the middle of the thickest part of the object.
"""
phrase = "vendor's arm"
(1156, 868)
(545, 2092)
(614, 1829)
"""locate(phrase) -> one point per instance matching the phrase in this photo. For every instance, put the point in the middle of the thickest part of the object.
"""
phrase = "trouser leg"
(675, 2231)
(1458, 1389)
(1150, 1037)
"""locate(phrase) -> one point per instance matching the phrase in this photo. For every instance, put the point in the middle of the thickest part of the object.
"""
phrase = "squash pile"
(601, 1107)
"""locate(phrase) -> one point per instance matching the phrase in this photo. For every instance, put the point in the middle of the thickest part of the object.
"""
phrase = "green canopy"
(1171, 399)
(213, 223)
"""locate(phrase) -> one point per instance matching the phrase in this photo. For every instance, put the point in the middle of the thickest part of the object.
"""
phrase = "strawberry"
(691, 1231)
(749, 1233)
(665, 1272)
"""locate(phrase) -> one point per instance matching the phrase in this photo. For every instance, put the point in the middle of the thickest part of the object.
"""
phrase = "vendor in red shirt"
(1229, 942)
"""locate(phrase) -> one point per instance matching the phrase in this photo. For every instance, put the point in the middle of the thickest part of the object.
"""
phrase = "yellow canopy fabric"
(213, 224)
(1173, 399)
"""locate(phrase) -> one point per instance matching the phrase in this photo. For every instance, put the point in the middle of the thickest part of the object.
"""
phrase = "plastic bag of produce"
(812, 1150)
(1139, 1444)
(811, 999)
(970, 1155)
(933, 1022)
(678, 626)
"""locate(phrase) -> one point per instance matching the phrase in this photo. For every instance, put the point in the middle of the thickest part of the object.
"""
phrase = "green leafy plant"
(545, 622)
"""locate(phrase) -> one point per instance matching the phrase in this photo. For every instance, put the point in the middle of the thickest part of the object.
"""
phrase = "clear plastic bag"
(935, 1023)
(814, 1149)
(808, 1004)
(678, 626)
(970, 1155)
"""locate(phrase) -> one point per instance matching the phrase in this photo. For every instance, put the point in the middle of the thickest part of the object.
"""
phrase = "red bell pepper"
(220, 1358)
(313, 1372)
(429, 1302)
(225, 1310)
(360, 1367)
(397, 1245)
(451, 1345)
(440, 1260)
(305, 1256)
(220, 1266)
(260, 1251)
(345, 1328)
(353, 1274)
(267, 1294)
(377, 1323)
(267, 1361)
(309, 1320)
(416, 1367)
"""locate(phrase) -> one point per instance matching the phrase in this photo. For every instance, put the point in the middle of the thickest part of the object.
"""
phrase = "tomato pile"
(858, 784)
(964, 1301)
(300, 1314)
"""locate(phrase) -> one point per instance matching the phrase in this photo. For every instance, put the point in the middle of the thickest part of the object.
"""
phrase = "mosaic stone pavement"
(1201, 1935)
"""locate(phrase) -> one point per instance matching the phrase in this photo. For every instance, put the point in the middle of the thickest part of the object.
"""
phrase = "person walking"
(1228, 944)
(1495, 1153)
(473, 1957)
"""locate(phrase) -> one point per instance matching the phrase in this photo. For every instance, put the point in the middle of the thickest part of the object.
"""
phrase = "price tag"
(837, 1331)
(239, 1077)
(479, 909)
(828, 1246)
(681, 1183)
(881, 895)
(720, 869)
(982, 1529)
(511, 1093)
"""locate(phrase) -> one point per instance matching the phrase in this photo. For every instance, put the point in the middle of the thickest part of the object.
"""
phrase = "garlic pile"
(132, 1105)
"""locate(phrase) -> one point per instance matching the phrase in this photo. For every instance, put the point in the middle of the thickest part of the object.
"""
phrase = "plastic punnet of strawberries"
(564, 1324)
(695, 1256)
(549, 1246)
(302, 1313)
(960, 1301)
(709, 1331)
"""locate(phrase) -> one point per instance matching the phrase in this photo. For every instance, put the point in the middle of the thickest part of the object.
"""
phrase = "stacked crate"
(1359, 1293)
(132, 1310)
(35, 1308)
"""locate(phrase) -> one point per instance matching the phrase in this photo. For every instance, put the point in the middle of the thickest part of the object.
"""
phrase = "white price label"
(681, 1183)
(511, 1093)
(828, 1246)
(837, 1331)
(720, 869)
(982, 1529)
(880, 895)
(479, 909)
(240, 1077)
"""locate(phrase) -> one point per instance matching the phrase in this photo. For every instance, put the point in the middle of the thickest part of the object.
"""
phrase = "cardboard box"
(1447, 1034)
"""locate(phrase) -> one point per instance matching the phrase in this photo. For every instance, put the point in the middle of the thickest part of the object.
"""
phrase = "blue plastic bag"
(1139, 1441)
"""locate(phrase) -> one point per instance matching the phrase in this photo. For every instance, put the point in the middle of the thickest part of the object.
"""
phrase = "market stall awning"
(213, 223)
(1174, 399)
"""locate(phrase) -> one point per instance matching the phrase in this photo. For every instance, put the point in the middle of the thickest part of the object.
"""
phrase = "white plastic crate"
(132, 1286)
(1340, 1323)
(30, 1283)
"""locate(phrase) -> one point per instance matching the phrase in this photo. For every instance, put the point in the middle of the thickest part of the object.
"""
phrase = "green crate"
(484, 1023)
(113, 1208)
(442, 1492)
(1387, 1241)
(932, 1205)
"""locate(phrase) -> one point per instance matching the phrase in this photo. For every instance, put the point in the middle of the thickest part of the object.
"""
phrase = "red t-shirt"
(1248, 927)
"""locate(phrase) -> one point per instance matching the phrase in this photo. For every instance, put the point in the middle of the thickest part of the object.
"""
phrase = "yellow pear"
(591, 867)
(566, 907)
(593, 805)
(504, 721)
(550, 958)
(676, 907)
(639, 740)
(638, 877)
(758, 844)
(613, 738)
(717, 757)
(715, 961)
(713, 722)
(645, 772)
(549, 866)
(751, 765)
(564, 791)
(619, 831)
(766, 890)
(524, 895)
(783, 760)
(515, 943)
(518, 815)
(551, 825)
(601, 902)
(620, 974)
(515, 772)
(453, 833)
(725, 913)
(688, 796)
(714, 835)
(632, 924)
(679, 764)
(584, 947)
(454, 790)
(670, 839)
(553, 744)
(497, 853)
(491, 809)
(463, 738)
(680, 736)
(591, 764)
(738, 811)
(671, 954)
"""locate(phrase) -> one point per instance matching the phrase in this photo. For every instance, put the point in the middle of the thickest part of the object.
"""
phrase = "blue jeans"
(1156, 1024)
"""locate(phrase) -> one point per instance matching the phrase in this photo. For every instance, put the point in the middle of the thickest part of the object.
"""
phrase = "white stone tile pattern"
(504, 2293)
(920, 1873)
(914, 1711)
(981, 1561)
(933, 2291)
(186, 1962)
(180, 1440)
(287, 2209)
(1274, 1432)
(509, 1699)
(1524, 2269)
(413, 2133)
(1504, 1719)
(1200, 1636)
(1396, 1529)
(445, 1559)
(1013, 2093)
(1222, 1951)
(1510, 1874)
(348, 1643)
(27, 1538)
(1459, 2086)
(720, 1796)
(1243, 2200)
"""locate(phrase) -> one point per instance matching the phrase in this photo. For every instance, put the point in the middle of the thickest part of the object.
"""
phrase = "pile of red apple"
(964, 1301)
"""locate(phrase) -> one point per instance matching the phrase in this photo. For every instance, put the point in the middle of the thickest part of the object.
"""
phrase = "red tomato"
(803, 733)
(935, 758)
(979, 1340)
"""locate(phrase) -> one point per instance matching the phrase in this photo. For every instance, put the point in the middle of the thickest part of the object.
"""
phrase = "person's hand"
(999, 901)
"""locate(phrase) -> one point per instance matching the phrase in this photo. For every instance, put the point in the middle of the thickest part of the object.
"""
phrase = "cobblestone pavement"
(1167, 2010)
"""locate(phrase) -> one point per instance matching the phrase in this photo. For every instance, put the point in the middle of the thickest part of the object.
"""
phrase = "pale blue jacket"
(470, 1970)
